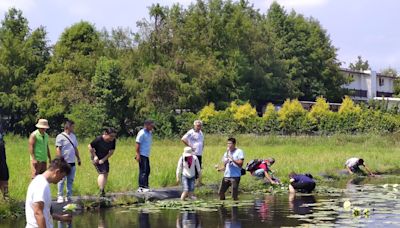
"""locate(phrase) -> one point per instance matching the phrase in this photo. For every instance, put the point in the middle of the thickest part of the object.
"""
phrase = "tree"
(389, 71)
(360, 64)
(66, 81)
(309, 58)
(107, 87)
(23, 55)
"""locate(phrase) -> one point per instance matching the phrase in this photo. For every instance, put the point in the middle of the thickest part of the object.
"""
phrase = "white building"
(366, 85)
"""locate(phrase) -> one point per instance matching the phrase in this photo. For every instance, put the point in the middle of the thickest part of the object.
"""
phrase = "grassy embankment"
(300, 154)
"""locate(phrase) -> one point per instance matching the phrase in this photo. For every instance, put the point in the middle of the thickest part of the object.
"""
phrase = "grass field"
(314, 154)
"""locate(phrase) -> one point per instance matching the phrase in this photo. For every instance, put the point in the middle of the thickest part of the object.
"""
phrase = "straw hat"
(43, 123)
(187, 151)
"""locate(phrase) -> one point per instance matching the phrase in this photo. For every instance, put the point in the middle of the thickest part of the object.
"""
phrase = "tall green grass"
(314, 154)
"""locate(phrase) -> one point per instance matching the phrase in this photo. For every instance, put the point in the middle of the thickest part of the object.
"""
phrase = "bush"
(222, 123)
(184, 122)
(270, 117)
(349, 116)
(293, 118)
(320, 115)
(165, 124)
(245, 117)
(208, 112)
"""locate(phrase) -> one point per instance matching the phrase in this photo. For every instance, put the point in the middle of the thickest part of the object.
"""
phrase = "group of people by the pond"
(62, 170)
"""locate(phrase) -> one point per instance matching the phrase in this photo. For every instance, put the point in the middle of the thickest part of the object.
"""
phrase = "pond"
(374, 202)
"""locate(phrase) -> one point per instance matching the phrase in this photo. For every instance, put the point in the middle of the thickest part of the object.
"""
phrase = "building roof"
(365, 73)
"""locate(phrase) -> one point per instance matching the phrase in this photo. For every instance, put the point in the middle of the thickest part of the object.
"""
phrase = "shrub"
(270, 117)
(208, 112)
(320, 114)
(184, 122)
(245, 117)
(293, 117)
(349, 116)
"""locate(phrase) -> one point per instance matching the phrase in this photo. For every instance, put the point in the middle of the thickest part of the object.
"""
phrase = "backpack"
(253, 164)
(196, 175)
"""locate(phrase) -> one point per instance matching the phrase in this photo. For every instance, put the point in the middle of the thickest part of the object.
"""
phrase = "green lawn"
(315, 154)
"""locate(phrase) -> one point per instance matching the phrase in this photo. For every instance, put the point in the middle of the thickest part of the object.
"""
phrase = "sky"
(356, 27)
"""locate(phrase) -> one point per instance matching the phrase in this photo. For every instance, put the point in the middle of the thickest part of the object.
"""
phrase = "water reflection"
(188, 219)
(264, 207)
(144, 220)
(230, 220)
(299, 203)
(63, 225)
(102, 219)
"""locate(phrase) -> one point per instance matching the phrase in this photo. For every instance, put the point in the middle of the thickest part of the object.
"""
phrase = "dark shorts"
(102, 168)
(302, 187)
(38, 168)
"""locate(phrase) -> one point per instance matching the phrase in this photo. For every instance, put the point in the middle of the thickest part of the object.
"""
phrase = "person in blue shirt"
(233, 161)
(143, 147)
(303, 183)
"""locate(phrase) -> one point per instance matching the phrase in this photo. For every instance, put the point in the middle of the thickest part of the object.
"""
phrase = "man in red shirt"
(263, 171)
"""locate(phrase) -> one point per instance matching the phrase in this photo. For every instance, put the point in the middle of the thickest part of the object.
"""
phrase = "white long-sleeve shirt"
(186, 171)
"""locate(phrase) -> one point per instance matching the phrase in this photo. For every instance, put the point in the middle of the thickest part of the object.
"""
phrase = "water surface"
(380, 196)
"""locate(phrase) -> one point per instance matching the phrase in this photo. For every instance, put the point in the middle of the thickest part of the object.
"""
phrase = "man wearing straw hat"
(39, 148)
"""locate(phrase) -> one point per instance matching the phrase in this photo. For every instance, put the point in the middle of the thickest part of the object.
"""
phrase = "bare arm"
(178, 169)
(348, 169)
(137, 152)
(93, 153)
(62, 218)
(269, 178)
(58, 151)
(38, 213)
(185, 141)
(77, 155)
(32, 142)
(368, 170)
(238, 162)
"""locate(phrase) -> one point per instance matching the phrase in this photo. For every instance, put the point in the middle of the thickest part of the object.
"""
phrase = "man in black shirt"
(101, 149)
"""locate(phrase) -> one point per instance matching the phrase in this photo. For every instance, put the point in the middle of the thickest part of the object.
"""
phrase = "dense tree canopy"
(23, 55)
(214, 51)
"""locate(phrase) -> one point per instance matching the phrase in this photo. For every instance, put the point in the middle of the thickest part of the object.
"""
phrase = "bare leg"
(102, 180)
(184, 195)
(291, 189)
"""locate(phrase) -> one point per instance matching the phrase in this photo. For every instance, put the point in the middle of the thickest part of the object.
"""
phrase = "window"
(381, 82)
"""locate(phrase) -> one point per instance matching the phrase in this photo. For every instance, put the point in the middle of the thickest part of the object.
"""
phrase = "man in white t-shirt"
(194, 138)
(38, 197)
(67, 147)
(353, 166)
